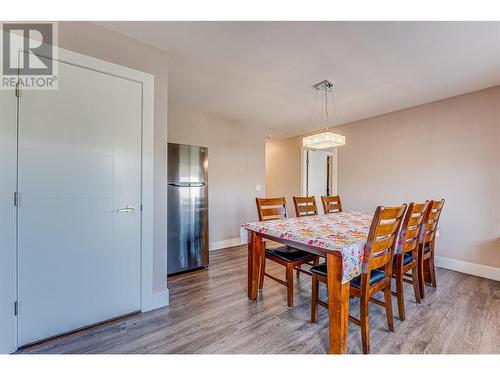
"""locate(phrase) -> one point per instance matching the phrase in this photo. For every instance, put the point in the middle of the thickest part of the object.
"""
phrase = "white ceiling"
(261, 73)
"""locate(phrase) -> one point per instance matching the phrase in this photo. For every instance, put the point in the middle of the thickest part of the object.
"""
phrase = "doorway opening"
(319, 172)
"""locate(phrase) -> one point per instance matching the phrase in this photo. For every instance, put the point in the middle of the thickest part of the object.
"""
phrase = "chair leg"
(432, 271)
(427, 274)
(314, 299)
(365, 331)
(289, 283)
(400, 297)
(316, 260)
(388, 306)
(416, 288)
(421, 280)
(262, 271)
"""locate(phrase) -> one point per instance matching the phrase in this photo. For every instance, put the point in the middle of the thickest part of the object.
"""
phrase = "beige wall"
(96, 41)
(446, 149)
(284, 170)
(236, 164)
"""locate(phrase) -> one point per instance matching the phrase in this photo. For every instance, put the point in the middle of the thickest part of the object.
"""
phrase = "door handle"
(129, 209)
(187, 184)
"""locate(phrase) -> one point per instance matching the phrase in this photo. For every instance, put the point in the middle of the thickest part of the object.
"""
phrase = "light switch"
(258, 187)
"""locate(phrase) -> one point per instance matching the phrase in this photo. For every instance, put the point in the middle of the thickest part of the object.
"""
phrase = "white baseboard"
(475, 269)
(216, 245)
(157, 300)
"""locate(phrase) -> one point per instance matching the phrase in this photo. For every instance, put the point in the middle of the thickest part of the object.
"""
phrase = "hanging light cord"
(334, 108)
(314, 108)
(325, 107)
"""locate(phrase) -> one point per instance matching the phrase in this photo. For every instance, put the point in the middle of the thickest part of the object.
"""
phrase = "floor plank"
(210, 313)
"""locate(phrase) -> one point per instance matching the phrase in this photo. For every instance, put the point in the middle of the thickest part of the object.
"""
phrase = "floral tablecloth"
(345, 232)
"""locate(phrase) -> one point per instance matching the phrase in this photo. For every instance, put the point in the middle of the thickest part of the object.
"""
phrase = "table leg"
(338, 304)
(255, 258)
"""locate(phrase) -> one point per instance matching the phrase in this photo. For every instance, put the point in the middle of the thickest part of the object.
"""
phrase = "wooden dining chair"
(331, 204)
(426, 266)
(273, 209)
(305, 206)
(379, 249)
(406, 257)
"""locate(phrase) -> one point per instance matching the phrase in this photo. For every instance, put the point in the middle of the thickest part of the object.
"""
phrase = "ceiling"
(261, 73)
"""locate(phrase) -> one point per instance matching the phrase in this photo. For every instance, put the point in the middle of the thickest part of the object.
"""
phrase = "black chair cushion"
(408, 257)
(289, 254)
(375, 275)
(427, 248)
(320, 269)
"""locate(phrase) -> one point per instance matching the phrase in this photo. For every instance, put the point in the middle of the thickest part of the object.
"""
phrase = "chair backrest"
(411, 227)
(305, 206)
(271, 208)
(431, 220)
(382, 236)
(331, 204)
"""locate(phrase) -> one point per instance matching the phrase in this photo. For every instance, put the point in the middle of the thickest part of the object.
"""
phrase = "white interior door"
(79, 163)
(7, 220)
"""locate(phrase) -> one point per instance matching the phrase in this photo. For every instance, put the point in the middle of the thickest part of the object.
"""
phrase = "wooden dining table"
(338, 237)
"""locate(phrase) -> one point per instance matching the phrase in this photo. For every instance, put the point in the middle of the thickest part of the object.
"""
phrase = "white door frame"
(150, 299)
(303, 169)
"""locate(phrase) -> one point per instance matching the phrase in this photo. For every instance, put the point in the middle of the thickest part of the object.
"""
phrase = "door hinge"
(18, 93)
(16, 308)
(16, 200)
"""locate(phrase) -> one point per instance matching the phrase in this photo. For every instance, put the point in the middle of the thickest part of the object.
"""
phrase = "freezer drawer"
(187, 228)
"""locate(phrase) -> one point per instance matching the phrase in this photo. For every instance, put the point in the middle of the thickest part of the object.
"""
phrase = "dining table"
(338, 237)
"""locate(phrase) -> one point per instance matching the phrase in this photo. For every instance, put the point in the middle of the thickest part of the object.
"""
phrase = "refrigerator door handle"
(187, 184)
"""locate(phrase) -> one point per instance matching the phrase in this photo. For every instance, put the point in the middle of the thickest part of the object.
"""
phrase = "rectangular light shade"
(323, 140)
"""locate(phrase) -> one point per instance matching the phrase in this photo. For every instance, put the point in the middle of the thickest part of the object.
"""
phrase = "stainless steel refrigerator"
(187, 208)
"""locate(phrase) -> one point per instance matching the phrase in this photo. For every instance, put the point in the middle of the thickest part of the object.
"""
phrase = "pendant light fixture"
(327, 138)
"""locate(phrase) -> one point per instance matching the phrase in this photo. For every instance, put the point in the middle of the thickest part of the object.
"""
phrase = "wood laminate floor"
(209, 312)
